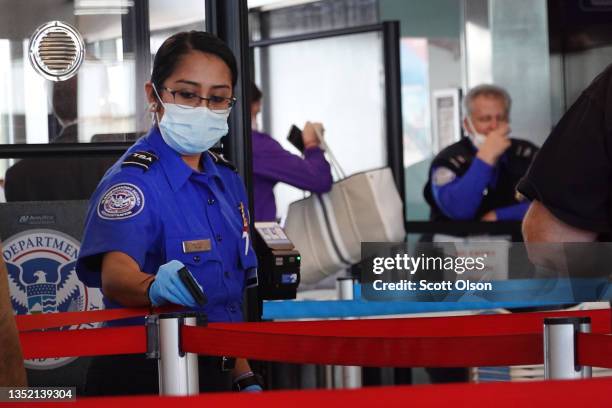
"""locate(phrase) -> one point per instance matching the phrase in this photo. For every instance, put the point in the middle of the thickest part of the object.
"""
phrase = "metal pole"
(228, 20)
(345, 288)
(266, 41)
(393, 104)
(137, 45)
(178, 371)
(351, 375)
(560, 359)
(329, 377)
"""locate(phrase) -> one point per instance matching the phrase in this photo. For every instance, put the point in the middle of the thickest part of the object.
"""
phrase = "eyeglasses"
(190, 100)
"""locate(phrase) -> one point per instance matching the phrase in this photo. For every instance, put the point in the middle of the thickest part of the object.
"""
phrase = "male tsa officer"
(475, 178)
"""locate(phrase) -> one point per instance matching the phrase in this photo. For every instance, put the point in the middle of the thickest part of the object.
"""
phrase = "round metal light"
(56, 50)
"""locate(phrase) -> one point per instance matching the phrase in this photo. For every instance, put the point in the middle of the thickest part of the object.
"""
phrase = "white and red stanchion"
(560, 359)
(178, 370)
(347, 376)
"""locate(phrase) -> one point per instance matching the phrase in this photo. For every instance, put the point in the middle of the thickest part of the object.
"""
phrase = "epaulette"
(457, 161)
(219, 159)
(457, 156)
(524, 149)
(140, 159)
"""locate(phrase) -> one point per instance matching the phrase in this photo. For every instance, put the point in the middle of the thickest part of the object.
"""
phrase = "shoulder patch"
(442, 176)
(140, 159)
(121, 201)
(219, 159)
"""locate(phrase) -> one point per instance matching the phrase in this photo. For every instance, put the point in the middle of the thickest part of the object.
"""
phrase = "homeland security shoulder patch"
(121, 201)
(442, 176)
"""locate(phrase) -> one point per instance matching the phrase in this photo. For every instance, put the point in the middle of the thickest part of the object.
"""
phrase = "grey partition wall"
(506, 43)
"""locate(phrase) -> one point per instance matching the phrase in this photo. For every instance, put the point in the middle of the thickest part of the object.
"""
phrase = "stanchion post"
(351, 375)
(178, 370)
(560, 348)
(329, 376)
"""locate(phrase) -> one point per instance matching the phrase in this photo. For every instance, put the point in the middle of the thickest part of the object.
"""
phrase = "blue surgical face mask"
(191, 131)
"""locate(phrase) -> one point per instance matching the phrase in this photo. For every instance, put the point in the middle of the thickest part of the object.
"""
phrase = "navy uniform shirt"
(154, 208)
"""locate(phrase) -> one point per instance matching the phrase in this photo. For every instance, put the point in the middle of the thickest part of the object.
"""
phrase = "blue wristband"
(252, 388)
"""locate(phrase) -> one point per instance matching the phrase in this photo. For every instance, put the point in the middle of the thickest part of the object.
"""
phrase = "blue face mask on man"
(189, 130)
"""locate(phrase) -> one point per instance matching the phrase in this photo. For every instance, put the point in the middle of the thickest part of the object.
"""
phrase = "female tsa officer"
(170, 203)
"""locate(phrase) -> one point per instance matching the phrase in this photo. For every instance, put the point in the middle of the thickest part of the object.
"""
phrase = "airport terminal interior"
(384, 116)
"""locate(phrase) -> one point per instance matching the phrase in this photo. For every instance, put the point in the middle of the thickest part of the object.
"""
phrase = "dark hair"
(256, 94)
(182, 43)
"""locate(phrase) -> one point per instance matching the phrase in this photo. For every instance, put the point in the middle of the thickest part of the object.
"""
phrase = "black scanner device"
(191, 285)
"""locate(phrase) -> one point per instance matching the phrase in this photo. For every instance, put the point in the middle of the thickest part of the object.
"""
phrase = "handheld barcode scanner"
(193, 287)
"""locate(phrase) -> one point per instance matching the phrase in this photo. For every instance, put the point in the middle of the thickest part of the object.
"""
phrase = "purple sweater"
(272, 163)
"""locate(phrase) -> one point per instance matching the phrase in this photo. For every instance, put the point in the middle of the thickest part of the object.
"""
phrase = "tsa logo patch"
(121, 201)
(42, 279)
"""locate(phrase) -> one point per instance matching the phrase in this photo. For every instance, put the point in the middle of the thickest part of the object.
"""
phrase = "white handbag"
(328, 229)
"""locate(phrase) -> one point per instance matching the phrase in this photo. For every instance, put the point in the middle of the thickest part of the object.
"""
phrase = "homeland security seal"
(121, 201)
(42, 279)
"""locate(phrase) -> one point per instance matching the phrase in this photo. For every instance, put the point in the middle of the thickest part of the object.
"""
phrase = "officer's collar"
(469, 144)
(177, 171)
(210, 166)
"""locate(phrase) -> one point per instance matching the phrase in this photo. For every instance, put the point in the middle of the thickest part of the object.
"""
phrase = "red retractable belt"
(51, 320)
(367, 351)
(506, 339)
(595, 350)
(79, 343)
(591, 393)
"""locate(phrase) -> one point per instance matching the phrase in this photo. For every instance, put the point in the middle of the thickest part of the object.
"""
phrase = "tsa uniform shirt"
(463, 187)
(154, 208)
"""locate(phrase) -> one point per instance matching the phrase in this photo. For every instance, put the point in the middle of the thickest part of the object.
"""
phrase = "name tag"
(198, 245)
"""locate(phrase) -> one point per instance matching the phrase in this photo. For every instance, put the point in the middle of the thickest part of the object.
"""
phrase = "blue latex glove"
(168, 287)
(252, 388)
